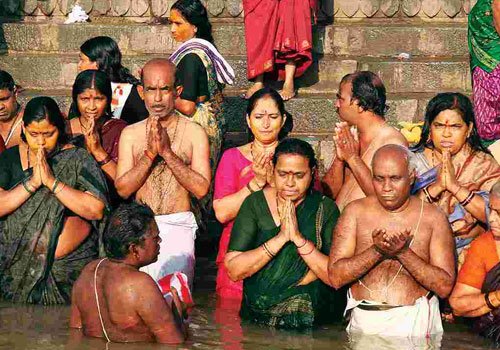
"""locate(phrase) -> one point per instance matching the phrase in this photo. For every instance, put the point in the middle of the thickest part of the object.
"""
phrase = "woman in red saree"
(278, 36)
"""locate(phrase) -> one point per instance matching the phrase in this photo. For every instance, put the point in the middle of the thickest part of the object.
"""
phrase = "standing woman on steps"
(202, 73)
(278, 38)
(102, 53)
(244, 170)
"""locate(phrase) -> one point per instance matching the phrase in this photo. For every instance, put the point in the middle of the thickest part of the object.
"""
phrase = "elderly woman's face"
(91, 104)
(292, 176)
(448, 131)
(265, 121)
(41, 134)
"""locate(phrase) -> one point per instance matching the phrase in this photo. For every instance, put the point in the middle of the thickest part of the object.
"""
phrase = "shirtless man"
(360, 104)
(396, 251)
(128, 306)
(162, 160)
(10, 111)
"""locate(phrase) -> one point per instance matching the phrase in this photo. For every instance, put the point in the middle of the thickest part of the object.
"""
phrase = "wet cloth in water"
(177, 232)
(418, 320)
(273, 296)
(29, 271)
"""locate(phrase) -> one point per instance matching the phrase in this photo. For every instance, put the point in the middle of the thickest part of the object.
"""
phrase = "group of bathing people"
(290, 238)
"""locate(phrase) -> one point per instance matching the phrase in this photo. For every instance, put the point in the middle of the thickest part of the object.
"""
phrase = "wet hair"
(105, 52)
(369, 90)
(454, 101)
(298, 147)
(45, 108)
(195, 13)
(91, 79)
(128, 224)
(6, 81)
(268, 92)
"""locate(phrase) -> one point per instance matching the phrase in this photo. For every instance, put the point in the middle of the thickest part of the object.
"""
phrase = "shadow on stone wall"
(10, 11)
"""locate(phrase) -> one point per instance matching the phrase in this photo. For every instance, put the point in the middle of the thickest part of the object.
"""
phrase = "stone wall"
(146, 9)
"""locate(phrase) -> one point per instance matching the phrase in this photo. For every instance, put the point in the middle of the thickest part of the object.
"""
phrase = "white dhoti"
(422, 319)
(177, 232)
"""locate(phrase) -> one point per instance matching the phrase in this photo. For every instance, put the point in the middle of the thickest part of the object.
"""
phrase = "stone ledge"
(47, 71)
(382, 40)
(138, 9)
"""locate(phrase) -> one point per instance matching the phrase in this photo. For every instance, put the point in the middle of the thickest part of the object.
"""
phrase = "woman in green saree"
(54, 196)
(280, 243)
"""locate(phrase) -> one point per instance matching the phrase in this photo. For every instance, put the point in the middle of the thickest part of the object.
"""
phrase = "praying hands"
(346, 142)
(390, 245)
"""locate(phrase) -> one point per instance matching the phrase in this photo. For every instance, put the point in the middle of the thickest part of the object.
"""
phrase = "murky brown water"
(43, 328)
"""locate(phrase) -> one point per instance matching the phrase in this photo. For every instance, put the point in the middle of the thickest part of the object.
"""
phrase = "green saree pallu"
(484, 41)
(29, 271)
(272, 296)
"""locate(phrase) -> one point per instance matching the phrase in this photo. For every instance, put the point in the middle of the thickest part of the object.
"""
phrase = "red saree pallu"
(276, 32)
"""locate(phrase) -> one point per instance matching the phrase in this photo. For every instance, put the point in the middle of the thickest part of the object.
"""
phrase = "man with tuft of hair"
(361, 105)
(162, 161)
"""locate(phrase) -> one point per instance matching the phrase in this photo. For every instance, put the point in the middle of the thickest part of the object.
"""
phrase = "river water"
(44, 328)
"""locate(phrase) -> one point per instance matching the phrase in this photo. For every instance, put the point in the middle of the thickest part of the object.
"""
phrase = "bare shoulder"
(193, 128)
(393, 136)
(140, 280)
(135, 130)
(434, 216)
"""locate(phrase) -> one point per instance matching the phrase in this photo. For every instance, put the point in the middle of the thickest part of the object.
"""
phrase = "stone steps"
(47, 70)
(367, 38)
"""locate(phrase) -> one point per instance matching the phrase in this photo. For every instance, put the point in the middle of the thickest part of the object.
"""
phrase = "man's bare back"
(161, 184)
(128, 300)
(401, 289)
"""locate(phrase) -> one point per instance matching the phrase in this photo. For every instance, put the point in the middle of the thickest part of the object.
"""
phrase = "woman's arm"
(74, 232)
(241, 265)
(227, 207)
(12, 199)
(186, 107)
(468, 301)
(496, 15)
(105, 162)
(315, 260)
(81, 203)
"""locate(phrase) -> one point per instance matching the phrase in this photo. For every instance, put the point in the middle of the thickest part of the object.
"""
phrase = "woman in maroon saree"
(278, 38)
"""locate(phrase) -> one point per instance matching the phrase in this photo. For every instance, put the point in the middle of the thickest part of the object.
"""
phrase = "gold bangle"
(60, 188)
(250, 188)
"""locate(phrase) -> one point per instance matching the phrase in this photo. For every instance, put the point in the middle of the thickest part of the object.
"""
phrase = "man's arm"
(195, 178)
(362, 174)
(334, 178)
(129, 176)
(343, 266)
(154, 310)
(496, 15)
(438, 275)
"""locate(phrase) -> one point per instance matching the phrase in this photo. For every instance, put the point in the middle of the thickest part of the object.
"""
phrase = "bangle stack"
(430, 199)
(302, 245)
(268, 251)
(312, 249)
(105, 161)
(149, 155)
(467, 199)
(56, 186)
(27, 188)
(488, 301)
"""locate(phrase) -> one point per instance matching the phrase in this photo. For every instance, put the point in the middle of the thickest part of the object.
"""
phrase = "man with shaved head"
(162, 160)
(396, 253)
